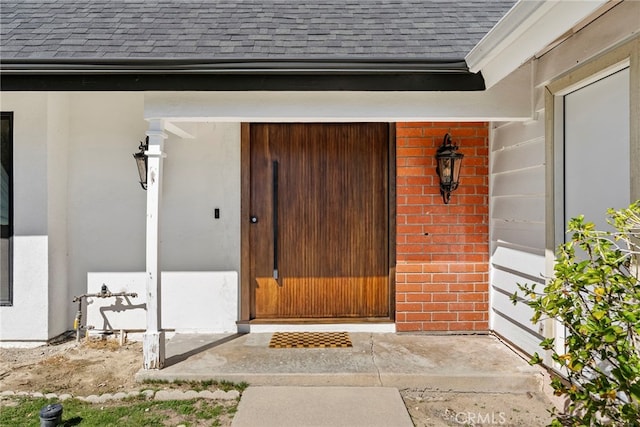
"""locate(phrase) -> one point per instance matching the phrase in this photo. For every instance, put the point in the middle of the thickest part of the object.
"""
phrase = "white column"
(153, 338)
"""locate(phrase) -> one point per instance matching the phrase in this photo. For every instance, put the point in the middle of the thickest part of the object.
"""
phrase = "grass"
(134, 411)
(25, 411)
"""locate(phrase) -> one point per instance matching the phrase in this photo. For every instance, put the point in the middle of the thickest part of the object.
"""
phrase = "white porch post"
(153, 338)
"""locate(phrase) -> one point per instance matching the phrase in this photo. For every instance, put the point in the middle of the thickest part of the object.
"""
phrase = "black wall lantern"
(448, 168)
(142, 162)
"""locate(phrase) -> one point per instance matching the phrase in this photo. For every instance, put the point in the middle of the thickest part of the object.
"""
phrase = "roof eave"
(229, 65)
(238, 74)
(525, 30)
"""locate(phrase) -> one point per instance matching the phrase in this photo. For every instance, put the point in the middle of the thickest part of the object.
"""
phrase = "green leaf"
(514, 298)
(634, 390)
(547, 343)
(576, 365)
(535, 359)
(595, 295)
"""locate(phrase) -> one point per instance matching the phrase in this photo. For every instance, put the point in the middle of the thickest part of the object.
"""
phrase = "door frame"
(245, 205)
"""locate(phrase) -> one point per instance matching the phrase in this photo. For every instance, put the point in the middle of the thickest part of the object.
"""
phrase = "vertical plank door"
(319, 232)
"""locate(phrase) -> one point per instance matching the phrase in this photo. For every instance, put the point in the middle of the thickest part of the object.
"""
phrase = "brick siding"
(442, 251)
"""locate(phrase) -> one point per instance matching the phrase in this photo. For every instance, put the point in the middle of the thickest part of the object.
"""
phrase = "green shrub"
(595, 295)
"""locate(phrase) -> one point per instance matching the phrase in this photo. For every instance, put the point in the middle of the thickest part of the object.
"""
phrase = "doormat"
(310, 340)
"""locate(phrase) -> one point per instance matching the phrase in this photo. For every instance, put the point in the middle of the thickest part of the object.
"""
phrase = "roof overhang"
(528, 28)
(238, 75)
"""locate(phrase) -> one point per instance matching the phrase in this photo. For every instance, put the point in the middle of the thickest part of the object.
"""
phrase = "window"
(596, 148)
(6, 207)
(592, 159)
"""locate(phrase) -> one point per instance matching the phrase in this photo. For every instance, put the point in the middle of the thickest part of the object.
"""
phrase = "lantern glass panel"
(141, 161)
(446, 170)
(457, 163)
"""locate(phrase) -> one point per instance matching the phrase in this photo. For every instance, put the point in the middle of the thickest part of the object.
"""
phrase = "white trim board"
(330, 327)
(508, 101)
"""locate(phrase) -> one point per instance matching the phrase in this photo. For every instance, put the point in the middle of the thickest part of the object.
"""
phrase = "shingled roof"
(206, 33)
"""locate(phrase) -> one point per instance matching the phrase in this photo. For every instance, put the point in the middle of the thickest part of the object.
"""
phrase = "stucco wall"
(79, 208)
(107, 206)
(57, 167)
(192, 301)
(27, 319)
(442, 249)
(106, 212)
(201, 175)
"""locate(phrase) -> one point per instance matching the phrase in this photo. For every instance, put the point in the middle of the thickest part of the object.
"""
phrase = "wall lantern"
(142, 161)
(448, 168)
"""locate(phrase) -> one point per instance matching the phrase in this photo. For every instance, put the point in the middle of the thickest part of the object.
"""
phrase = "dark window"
(6, 208)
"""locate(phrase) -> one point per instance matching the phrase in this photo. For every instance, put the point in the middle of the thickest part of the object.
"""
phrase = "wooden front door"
(319, 221)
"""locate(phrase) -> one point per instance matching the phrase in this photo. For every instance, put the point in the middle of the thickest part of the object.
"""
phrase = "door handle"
(253, 219)
(275, 221)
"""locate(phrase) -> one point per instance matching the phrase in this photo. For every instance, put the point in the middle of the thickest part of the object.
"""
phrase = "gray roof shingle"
(244, 29)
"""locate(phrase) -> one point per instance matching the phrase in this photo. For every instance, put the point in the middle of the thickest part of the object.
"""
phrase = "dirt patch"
(92, 367)
(429, 408)
(96, 367)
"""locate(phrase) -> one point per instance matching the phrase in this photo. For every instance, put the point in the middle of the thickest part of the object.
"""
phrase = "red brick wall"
(442, 251)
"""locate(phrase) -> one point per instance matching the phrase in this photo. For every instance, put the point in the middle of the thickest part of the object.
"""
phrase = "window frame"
(7, 231)
(626, 55)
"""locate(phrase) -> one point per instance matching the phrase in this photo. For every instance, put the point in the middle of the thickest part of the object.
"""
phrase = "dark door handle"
(275, 220)
(253, 219)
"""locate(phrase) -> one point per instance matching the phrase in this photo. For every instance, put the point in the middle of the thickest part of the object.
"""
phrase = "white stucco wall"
(27, 318)
(107, 207)
(57, 166)
(192, 301)
(202, 174)
(79, 209)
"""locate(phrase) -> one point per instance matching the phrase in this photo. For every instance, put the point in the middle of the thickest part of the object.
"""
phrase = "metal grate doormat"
(310, 340)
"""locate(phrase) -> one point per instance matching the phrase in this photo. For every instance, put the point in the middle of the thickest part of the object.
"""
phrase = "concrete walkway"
(470, 363)
(356, 386)
(321, 406)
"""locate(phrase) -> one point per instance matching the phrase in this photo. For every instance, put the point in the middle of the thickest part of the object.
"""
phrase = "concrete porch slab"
(470, 363)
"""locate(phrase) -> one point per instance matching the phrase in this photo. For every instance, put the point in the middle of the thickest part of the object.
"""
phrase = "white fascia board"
(526, 29)
(508, 29)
